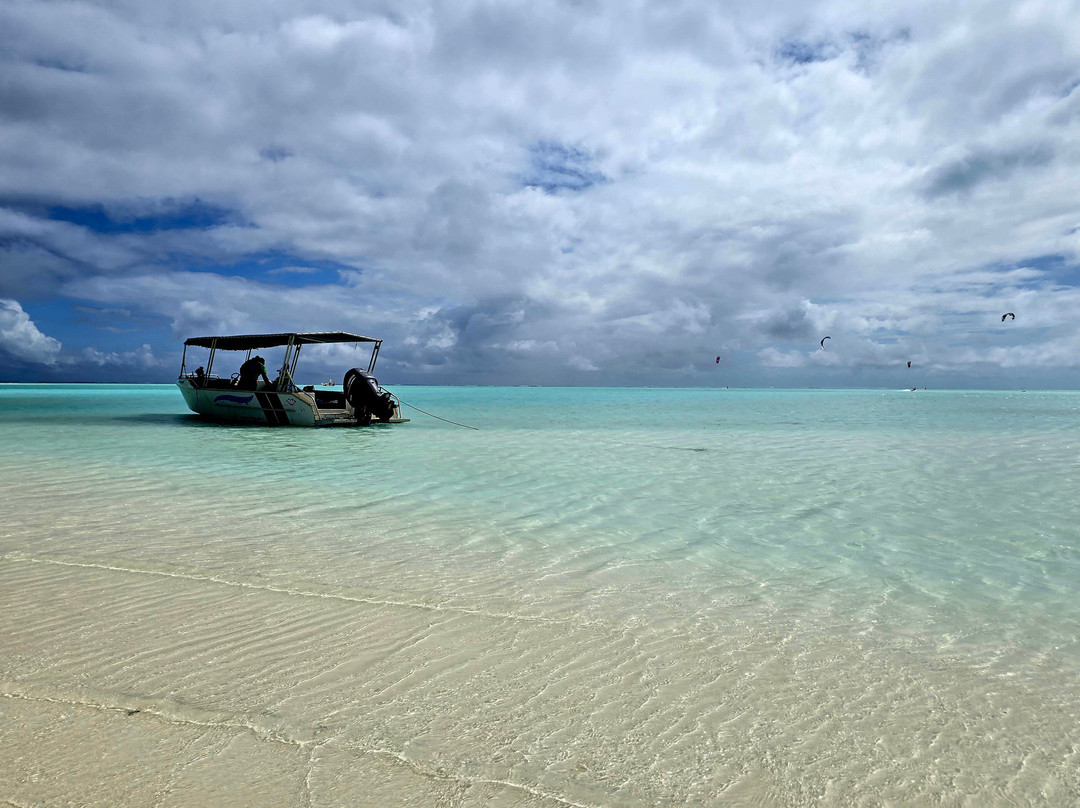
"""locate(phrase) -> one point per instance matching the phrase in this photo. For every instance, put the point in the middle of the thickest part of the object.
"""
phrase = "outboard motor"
(367, 399)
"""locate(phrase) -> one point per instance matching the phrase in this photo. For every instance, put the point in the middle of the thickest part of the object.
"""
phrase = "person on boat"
(200, 376)
(250, 372)
(283, 383)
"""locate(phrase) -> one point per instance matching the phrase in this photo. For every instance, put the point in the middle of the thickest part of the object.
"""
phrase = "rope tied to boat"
(430, 415)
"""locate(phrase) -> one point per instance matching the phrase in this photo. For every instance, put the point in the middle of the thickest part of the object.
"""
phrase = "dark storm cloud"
(789, 325)
(964, 174)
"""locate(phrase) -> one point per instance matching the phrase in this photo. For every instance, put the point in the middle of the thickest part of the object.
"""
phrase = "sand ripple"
(209, 692)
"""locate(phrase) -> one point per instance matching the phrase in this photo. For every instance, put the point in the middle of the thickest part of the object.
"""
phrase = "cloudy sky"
(567, 192)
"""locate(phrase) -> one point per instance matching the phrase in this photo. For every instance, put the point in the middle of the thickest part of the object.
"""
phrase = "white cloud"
(771, 357)
(142, 357)
(637, 185)
(528, 346)
(578, 362)
(21, 339)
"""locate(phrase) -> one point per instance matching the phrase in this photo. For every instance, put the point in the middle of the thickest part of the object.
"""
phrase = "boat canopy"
(248, 342)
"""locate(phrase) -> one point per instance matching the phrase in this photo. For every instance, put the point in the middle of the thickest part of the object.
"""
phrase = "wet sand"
(137, 687)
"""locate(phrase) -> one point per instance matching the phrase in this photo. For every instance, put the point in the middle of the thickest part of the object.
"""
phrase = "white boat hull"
(266, 407)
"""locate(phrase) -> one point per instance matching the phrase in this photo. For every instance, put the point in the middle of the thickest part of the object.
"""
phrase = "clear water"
(599, 597)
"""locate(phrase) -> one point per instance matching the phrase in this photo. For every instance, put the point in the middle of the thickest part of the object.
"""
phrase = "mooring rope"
(431, 415)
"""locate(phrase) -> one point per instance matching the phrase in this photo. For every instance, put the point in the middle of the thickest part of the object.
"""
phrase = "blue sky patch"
(801, 52)
(76, 323)
(556, 167)
(1058, 269)
(277, 268)
(275, 154)
(193, 215)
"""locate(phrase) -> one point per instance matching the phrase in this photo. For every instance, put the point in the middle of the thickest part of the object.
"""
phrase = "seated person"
(250, 372)
(199, 379)
(283, 384)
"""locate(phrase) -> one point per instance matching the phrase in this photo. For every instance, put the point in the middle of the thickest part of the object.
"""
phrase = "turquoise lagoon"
(598, 597)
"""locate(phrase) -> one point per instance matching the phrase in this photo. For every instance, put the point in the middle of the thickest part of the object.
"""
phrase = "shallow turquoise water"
(869, 529)
(910, 512)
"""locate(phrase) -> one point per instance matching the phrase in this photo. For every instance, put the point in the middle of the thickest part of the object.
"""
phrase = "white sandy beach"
(132, 686)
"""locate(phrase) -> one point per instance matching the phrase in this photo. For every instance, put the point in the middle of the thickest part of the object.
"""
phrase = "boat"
(246, 398)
